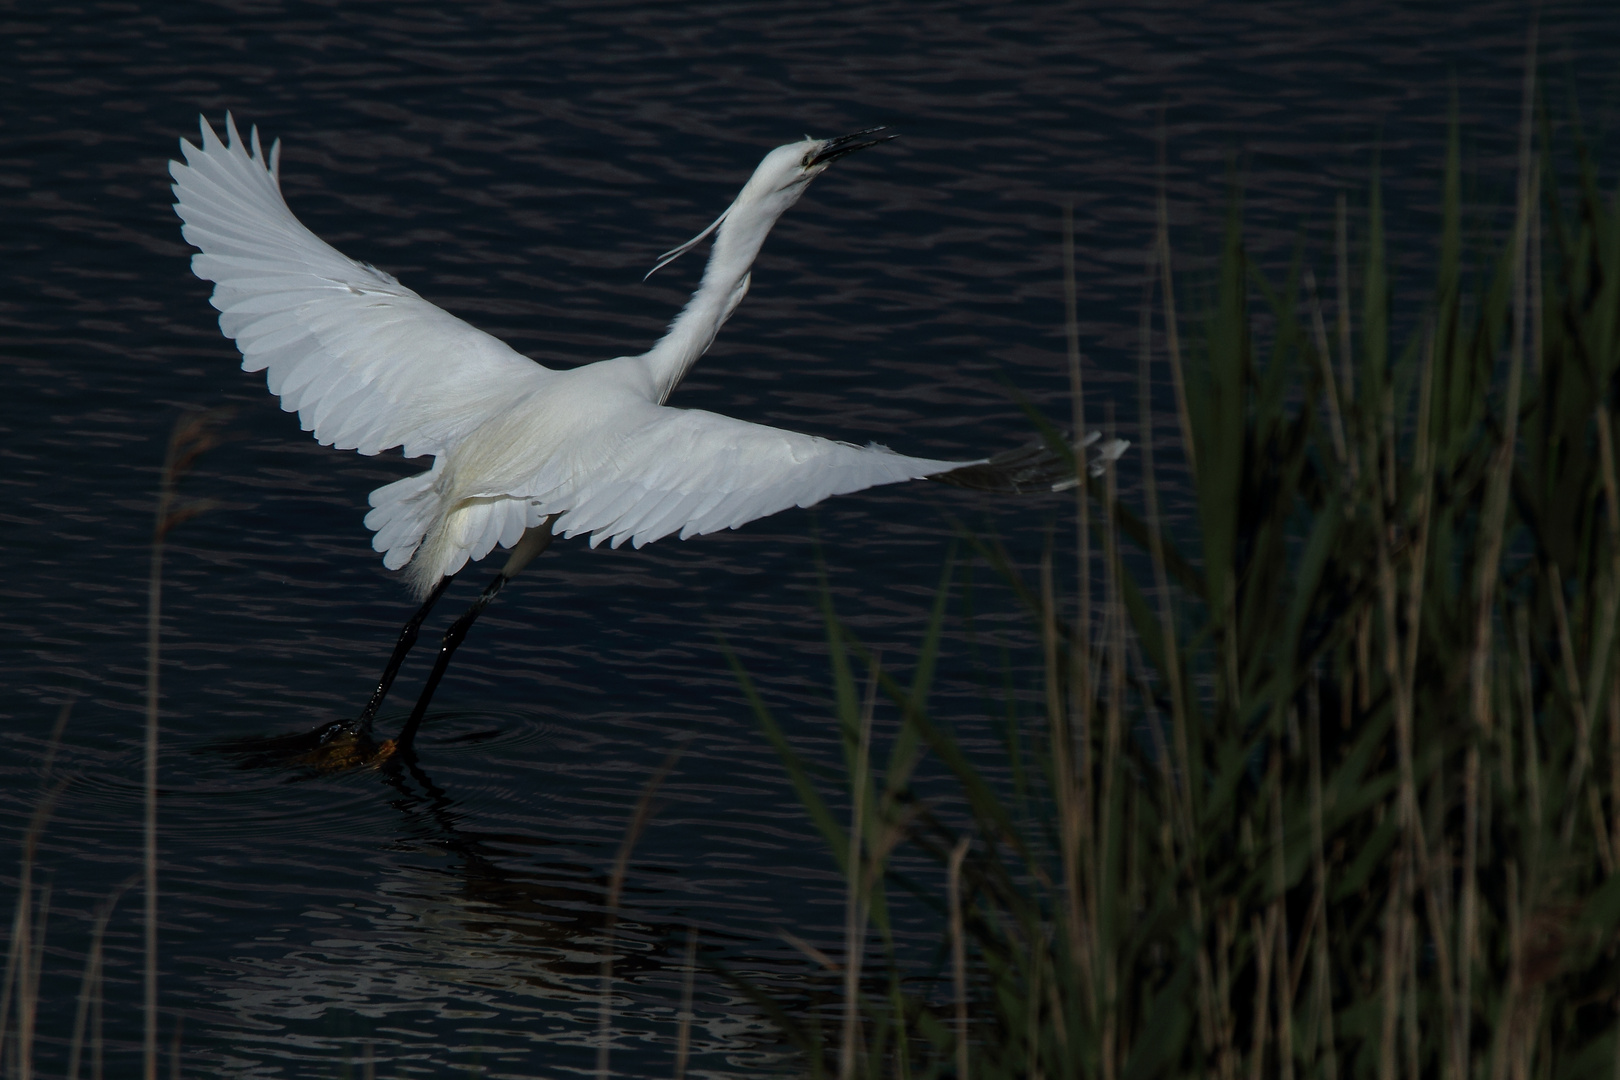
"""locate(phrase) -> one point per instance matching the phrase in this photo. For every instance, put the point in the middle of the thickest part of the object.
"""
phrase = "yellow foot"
(347, 751)
(332, 748)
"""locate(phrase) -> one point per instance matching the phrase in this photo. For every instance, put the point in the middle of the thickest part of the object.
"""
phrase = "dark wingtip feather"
(1035, 467)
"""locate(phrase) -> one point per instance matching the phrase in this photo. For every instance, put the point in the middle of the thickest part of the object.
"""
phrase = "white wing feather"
(365, 362)
(695, 472)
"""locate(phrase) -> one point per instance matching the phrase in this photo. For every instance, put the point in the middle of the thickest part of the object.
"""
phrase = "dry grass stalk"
(683, 1035)
(1504, 1038)
(154, 634)
(1070, 814)
(20, 933)
(1409, 1008)
(1614, 781)
(1398, 671)
(1418, 531)
(174, 1047)
(1172, 329)
(1577, 698)
(621, 866)
(1032, 1017)
(815, 955)
(1493, 526)
(1391, 966)
(1287, 981)
(88, 1013)
(1611, 498)
(1113, 724)
(1177, 767)
(1598, 674)
(28, 990)
(1363, 650)
(1226, 1051)
(1082, 687)
(856, 899)
(959, 952)
(1180, 765)
(1321, 967)
(26, 949)
(193, 435)
(1341, 250)
(1330, 384)
(1264, 931)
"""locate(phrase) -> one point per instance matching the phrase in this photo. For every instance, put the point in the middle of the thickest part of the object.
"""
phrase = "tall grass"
(193, 435)
(1334, 790)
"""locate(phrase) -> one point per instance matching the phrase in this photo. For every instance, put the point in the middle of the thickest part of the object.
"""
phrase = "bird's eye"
(810, 156)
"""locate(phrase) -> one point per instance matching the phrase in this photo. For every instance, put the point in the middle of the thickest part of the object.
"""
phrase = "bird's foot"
(334, 747)
(347, 744)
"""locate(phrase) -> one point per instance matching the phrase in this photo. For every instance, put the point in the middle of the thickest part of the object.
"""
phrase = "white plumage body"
(369, 365)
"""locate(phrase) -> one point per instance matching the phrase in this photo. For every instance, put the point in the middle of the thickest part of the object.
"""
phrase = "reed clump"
(1331, 789)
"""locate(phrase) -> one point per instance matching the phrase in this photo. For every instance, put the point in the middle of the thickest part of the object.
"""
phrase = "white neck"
(725, 283)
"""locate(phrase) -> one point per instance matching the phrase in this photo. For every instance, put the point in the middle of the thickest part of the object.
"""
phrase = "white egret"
(521, 452)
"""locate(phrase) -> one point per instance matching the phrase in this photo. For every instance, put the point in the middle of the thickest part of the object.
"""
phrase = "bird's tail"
(401, 515)
(416, 531)
(466, 532)
(1038, 466)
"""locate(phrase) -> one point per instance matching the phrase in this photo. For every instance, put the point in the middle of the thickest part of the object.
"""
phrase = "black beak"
(848, 144)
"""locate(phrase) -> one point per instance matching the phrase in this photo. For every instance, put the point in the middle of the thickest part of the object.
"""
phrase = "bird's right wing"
(365, 362)
(686, 470)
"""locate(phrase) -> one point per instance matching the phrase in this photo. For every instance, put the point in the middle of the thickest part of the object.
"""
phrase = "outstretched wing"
(693, 472)
(365, 362)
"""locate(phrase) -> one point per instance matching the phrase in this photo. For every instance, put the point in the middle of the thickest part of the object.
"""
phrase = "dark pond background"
(522, 165)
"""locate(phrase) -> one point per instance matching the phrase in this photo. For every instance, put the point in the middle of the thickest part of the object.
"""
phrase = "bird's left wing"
(685, 470)
(365, 362)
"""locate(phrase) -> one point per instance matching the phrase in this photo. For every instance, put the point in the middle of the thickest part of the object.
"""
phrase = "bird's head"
(779, 181)
(787, 169)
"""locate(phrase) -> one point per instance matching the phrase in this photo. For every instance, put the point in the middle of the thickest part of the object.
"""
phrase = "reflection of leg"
(407, 638)
(524, 551)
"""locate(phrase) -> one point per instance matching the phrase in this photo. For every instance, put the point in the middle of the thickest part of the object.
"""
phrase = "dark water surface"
(522, 165)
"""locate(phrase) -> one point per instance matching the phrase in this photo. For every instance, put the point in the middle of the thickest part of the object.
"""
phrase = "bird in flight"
(522, 452)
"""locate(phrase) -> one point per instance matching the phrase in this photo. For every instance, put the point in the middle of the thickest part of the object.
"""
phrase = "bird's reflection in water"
(496, 937)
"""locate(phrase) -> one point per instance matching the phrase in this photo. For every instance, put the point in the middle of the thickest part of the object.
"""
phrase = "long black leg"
(534, 541)
(407, 638)
(452, 640)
